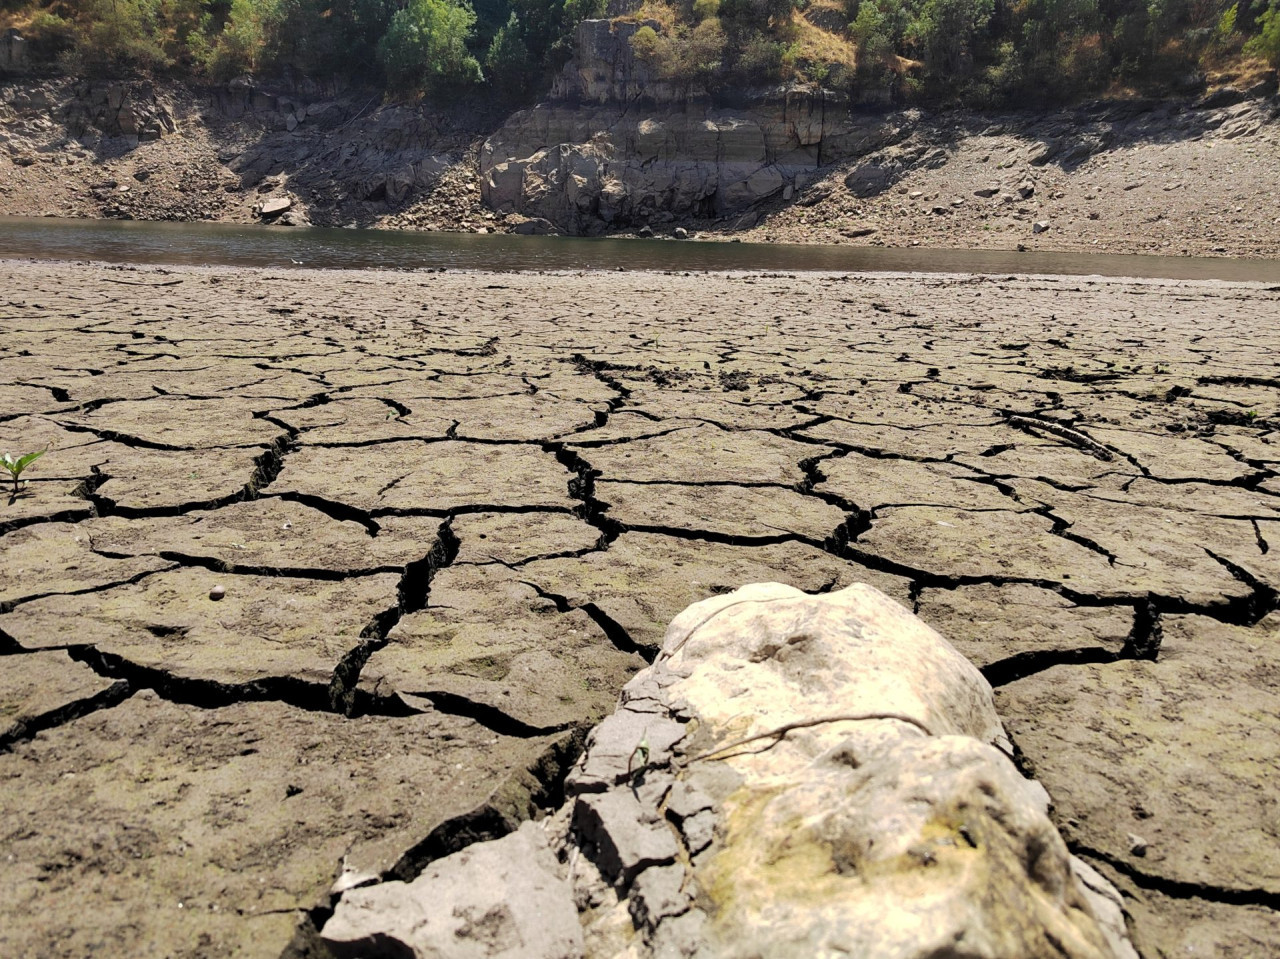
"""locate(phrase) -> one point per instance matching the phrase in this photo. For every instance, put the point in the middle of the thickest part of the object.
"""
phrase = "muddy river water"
(222, 244)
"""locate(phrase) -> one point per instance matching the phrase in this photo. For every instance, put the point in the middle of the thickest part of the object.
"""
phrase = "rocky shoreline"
(1193, 176)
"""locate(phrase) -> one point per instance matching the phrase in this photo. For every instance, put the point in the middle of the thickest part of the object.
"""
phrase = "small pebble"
(1137, 845)
(217, 593)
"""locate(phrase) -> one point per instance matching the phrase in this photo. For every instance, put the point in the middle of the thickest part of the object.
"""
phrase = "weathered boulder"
(535, 227)
(796, 775)
(274, 206)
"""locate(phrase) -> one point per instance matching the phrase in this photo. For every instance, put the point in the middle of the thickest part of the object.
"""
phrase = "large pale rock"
(887, 820)
(796, 775)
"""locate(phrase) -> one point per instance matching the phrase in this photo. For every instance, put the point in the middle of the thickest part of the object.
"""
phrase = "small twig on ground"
(781, 731)
(136, 283)
(359, 113)
(1070, 435)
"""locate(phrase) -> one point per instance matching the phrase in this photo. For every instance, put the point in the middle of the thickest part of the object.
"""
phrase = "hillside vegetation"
(978, 52)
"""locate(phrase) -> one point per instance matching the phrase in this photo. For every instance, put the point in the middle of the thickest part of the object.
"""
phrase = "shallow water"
(223, 244)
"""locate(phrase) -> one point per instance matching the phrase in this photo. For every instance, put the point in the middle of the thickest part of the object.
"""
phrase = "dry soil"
(447, 515)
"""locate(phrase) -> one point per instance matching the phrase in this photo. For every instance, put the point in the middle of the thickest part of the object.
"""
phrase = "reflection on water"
(222, 244)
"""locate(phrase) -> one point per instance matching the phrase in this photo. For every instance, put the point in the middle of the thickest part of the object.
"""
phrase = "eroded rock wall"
(588, 170)
(616, 146)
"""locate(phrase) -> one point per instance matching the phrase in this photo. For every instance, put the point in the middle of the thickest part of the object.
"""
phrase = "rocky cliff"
(142, 150)
(616, 147)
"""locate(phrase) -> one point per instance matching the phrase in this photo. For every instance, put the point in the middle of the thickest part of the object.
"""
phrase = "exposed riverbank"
(450, 514)
(1191, 177)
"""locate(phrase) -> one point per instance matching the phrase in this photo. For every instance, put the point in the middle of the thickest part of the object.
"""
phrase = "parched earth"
(448, 515)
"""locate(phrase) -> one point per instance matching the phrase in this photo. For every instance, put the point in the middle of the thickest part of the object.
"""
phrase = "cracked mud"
(451, 514)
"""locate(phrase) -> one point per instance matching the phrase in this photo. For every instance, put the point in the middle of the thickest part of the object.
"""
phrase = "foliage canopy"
(980, 52)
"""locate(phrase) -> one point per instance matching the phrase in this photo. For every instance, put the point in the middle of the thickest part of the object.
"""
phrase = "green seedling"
(16, 466)
(641, 752)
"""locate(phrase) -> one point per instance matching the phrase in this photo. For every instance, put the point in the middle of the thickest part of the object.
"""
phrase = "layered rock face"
(795, 776)
(130, 109)
(616, 147)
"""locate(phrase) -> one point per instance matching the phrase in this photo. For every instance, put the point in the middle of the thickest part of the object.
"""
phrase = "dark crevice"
(412, 592)
(539, 787)
(1261, 601)
(596, 547)
(614, 631)
(114, 694)
(727, 539)
(488, 716)
(212, 694)
(134, 442)
(57, 392)
(65, 516)
(468, 509)
(581, 440)
(1263, 546)
(582, 487)
(1147, 634)
(267, 466)
(331, 508)
(7, 606)
(1032, 661)
(400, 409)
(913, 596)
(286, 572)
(1062, 528)
(1179, 889)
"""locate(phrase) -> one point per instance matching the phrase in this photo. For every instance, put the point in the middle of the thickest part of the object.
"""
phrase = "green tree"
(947, 34)
(1267, 43)
(878, 30)
(119, 36)
(425, 46)
(242, 45)
(509, 66)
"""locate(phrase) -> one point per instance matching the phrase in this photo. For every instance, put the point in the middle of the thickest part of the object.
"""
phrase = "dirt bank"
(450, 514)
(1185, 177)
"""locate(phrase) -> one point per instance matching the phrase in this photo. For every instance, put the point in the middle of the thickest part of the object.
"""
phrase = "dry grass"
(666, 14)
(813, 44)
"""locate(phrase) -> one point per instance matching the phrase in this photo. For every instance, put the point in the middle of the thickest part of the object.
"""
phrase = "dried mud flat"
(453, 513)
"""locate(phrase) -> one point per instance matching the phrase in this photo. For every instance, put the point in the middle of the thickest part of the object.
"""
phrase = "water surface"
(225, 244)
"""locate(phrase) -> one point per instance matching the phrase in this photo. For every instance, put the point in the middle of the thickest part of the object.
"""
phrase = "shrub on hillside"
(1267, 43)
(117, 36)
(425, 46)
(507, 62)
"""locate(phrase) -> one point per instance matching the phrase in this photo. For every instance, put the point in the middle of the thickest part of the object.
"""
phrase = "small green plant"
(15, 466)
(1251, 415)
